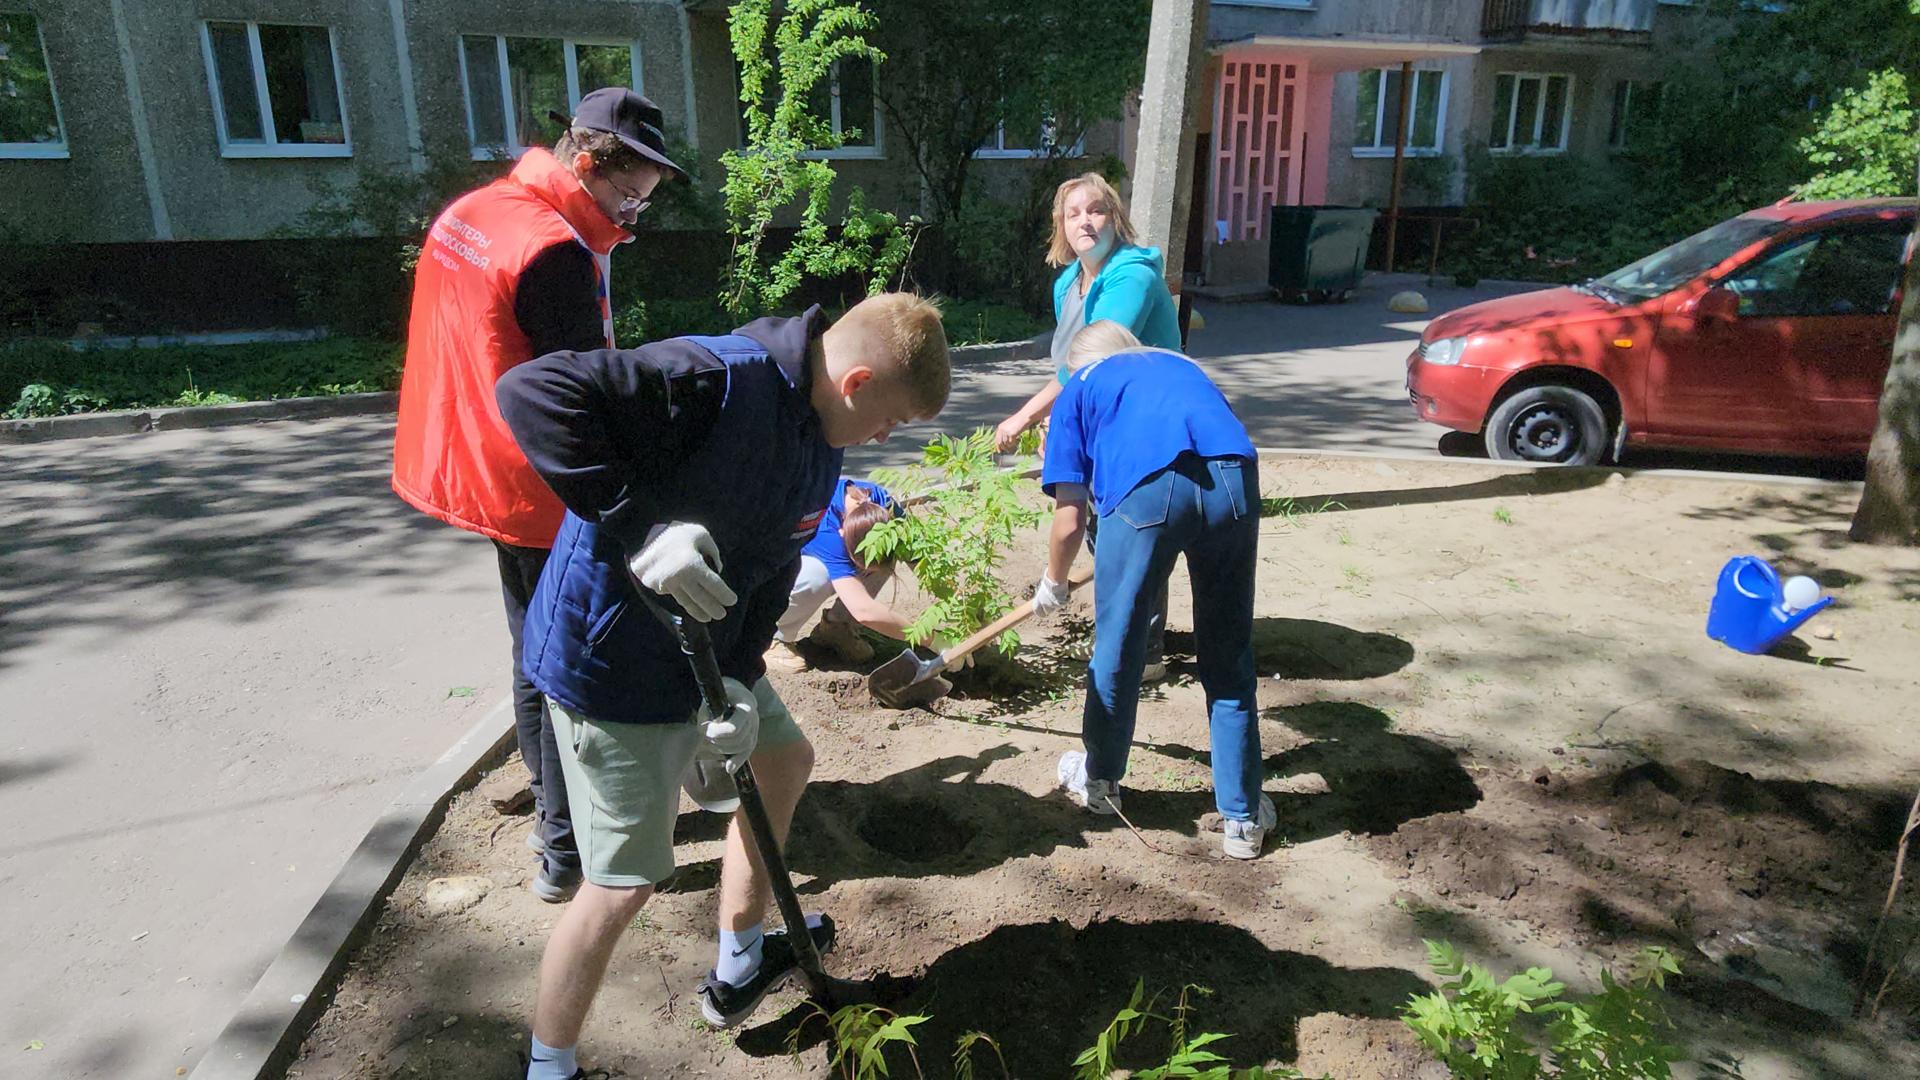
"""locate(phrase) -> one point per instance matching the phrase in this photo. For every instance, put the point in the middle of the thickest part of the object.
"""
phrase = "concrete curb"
(266, 1031)
(140, 421)
(1419, 458)
(1031, 349)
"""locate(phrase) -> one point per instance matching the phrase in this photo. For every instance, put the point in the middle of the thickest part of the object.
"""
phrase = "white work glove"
(942, 644)
(683, 562)
(734, 737)
(1049, 596)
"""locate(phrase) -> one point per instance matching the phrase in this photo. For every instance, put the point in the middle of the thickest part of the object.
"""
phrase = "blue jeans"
(1209, 509)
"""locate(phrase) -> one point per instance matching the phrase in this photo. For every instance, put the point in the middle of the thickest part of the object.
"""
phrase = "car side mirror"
(1717, 305)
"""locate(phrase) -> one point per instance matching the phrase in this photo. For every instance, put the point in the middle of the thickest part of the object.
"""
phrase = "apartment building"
(130, 120)
(1306, 99)
(153, 120)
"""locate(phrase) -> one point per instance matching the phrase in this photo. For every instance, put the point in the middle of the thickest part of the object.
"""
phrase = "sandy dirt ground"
(1490, 715)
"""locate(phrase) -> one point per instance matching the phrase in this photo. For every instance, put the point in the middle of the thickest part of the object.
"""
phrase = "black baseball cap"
(629, 117)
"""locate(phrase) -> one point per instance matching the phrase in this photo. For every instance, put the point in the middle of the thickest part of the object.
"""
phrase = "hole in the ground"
(914, 830)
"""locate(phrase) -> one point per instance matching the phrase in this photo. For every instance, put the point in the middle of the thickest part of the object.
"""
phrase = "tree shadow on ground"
(1305, 649)
(222, 522)
(1045, 991)
(1512, 485)
(941, 819)
(1375, 779)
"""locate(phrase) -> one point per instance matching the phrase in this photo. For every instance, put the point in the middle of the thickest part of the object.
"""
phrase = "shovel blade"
(892, 681)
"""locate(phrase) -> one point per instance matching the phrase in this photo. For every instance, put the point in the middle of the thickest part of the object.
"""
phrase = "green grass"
(41, 379)
(983, 322)
(1293, 511)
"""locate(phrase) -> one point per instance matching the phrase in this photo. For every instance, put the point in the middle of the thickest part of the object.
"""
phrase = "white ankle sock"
(739, 954)
(551, 1063)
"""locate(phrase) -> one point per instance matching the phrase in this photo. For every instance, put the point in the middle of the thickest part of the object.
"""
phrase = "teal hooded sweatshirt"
(1131, 289)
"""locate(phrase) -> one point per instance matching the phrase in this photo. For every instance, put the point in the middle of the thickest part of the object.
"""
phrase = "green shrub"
(1473, 1024)
(642, 321)
(984, 322)
(43, 379)
(957, 538)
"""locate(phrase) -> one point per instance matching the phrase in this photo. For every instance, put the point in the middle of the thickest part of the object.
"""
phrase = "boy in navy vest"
(698, 467)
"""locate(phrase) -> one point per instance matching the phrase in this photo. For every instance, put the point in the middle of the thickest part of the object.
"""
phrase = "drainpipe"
(1399, 160)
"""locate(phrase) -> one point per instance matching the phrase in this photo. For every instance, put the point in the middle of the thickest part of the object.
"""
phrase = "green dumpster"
(1318, 253)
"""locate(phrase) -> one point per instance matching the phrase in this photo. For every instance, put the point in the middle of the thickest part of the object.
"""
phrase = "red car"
(1767, 333)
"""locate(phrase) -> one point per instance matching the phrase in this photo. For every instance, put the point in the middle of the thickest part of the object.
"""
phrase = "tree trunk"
(1889, 511)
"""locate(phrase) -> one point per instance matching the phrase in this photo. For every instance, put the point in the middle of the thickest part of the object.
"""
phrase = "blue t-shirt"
(828, 545)
(1122, 419)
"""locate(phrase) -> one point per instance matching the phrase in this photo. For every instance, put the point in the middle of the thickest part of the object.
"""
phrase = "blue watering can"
(1749, 611)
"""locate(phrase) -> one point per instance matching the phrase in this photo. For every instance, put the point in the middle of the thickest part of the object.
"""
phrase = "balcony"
(1624, 21)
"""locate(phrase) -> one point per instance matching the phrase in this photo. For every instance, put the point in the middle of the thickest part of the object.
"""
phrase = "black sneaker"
(725, 1005)
(526, 1065)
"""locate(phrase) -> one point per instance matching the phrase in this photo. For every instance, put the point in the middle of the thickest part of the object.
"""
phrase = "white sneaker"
(1099, 796)
(1153, 673)
(1244, 839)
(785, 659)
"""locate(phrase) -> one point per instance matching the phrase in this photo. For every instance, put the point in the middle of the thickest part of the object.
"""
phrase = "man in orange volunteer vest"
(511, 272)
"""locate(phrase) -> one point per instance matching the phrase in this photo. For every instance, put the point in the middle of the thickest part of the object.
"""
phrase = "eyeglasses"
(631, 204)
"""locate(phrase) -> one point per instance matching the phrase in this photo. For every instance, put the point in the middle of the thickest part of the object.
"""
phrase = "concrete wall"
(102, 191)
(97, 192)
(1435, 20)
(1367, 180)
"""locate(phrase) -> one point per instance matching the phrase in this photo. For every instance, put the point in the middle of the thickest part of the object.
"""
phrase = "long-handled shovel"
(908, 679)
(830, 993)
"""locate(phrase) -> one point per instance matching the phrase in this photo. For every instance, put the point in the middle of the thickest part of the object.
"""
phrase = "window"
(1846, 271)
(1377, 114)
(29, 114)
(1530, 113)
(1633, 106)
(512, 83)
(276, 90)
(1013, 144)
(846, 101)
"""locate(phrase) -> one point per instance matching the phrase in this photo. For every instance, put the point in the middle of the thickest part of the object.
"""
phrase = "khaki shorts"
(623, 786)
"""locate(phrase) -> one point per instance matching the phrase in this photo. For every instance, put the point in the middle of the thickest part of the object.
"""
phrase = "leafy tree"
(960, 70)
(784, 52)
(1865, 143)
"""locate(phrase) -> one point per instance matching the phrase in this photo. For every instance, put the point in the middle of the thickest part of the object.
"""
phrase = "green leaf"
(460, 692)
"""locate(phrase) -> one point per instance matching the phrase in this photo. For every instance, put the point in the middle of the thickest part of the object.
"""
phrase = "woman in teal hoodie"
(1106, 276)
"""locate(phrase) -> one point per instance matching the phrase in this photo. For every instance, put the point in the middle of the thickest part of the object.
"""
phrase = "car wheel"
(1548, 425)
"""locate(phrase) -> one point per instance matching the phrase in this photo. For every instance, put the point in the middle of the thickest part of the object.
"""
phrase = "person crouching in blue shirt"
(832, 568)
(1146, 438)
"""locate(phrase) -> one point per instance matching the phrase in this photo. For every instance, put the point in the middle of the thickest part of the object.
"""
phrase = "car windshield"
(1674, 266)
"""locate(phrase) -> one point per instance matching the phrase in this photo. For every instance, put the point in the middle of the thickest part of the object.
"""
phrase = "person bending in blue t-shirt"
(831, 569)
(1146, 438)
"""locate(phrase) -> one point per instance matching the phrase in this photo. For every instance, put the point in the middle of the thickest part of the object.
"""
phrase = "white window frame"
(999, 151)
(1513, 111)
(1439, 146)
(269, 146)
(1636, 88)
(875, 152)
(38, 151)
(569, 52)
